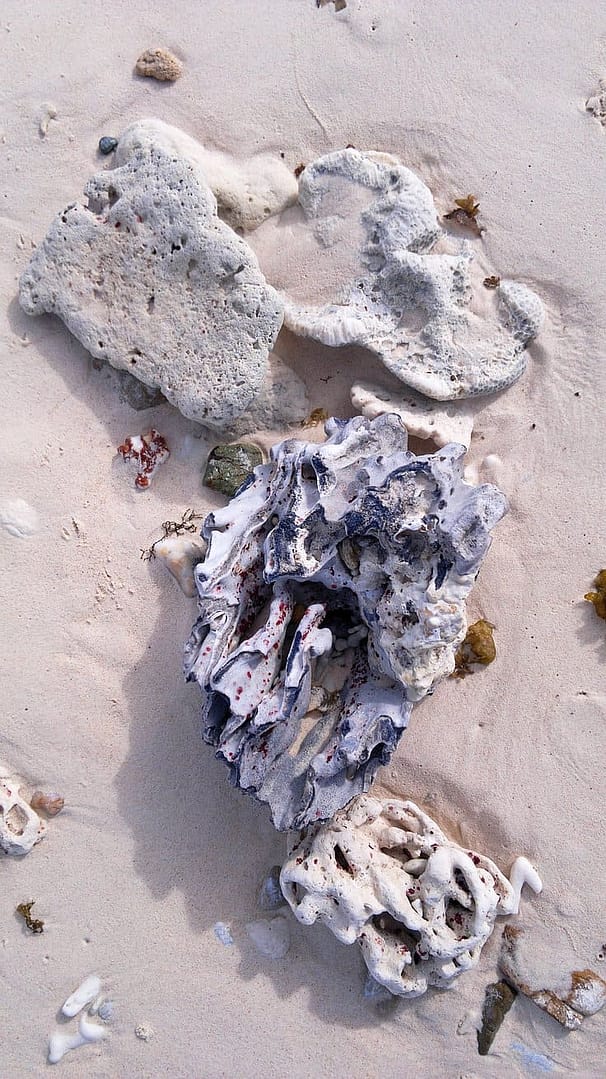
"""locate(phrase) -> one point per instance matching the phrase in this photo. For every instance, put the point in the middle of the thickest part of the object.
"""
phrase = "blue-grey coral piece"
(332, 596)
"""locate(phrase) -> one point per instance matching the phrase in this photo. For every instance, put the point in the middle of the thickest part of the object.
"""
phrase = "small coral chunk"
(598, 598)
(478, 647)
(159, 64)
(48, 804)
(149, 451)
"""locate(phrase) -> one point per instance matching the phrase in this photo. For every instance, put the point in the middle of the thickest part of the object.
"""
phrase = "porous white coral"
(149, 278)
(411, 302)
(331, 597)
(20, 826)
(383, 873)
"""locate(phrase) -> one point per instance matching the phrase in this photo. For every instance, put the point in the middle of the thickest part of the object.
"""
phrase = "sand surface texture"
(153, 847)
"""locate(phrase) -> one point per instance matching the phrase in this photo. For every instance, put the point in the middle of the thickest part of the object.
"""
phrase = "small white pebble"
(144, 1032)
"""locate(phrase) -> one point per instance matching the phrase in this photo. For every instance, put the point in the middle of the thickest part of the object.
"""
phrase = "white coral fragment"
(149, 278)
(85, 994)
(422, 417)
(20, 826)
(383, 873)
(59, 1043)
(411, 303)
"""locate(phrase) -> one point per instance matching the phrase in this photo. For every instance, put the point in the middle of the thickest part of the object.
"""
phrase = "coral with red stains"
(149, 451)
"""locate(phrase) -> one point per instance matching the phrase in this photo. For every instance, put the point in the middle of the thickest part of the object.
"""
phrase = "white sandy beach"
(154, 847)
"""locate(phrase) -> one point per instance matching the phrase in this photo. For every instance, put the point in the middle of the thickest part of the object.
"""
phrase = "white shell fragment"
(569, 997)
(20, 826)
(180, 554)
(411, 303)
(422, 417)
(382, 873)
(271, 937)
(149, 278)
(331, 597)
(86, 992)
(59, 1043)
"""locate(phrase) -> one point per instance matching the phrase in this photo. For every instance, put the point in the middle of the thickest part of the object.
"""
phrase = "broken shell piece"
(271, 938)
(578, 994)
(86, 992)
(383, 873)
(229, 466)
(20, 826)
(49, 804)
(331, 597)
(149, 451)
(59, 1043)
(270, 894)
(159, 64)
(410, 303)
(181, 554)
(422, 417)
(498, 999)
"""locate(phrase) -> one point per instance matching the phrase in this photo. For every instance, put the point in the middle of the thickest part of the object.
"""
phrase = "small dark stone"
(107, 144)
(497, 1001)
(229, 466)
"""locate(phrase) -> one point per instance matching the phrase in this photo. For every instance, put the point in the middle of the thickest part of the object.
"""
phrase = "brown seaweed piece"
(598, 598)
(465, 214)
(492, 282)
(25, 910)
(318, 415)
(497, 1001)
(478, 647)
(586, 995)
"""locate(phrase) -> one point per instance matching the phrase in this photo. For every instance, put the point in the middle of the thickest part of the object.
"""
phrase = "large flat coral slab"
(149, 278)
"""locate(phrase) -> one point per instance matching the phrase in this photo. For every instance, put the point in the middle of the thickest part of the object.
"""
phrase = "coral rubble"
(20, 826)
(331, 597)
(382, 873)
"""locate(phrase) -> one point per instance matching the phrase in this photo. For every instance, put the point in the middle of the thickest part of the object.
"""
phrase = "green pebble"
(229, 466)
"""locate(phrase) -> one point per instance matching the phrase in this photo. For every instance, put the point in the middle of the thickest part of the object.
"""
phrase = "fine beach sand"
(154, 847)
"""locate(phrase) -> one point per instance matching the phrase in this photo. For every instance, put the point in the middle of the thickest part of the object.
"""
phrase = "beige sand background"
(154, 847)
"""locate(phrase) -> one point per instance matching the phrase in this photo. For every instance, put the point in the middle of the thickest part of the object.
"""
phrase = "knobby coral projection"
(332, 596)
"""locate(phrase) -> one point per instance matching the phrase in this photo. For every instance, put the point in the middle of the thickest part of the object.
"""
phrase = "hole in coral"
(341, 860)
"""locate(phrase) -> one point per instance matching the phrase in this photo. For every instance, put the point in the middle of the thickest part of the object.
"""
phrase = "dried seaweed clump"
(331, 597)
(598, 598)
(382, 873)
(25, 911)
(478, 647)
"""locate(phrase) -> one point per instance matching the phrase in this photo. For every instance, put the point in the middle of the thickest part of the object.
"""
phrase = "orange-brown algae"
(478, 647)
(598, 598)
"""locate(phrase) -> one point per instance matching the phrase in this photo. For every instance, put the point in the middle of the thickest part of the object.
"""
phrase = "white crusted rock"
(20, 826)
(410, 302)
(247, 191)
(422, 417)
(331, 597)
(383, 873)
(148, 277)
